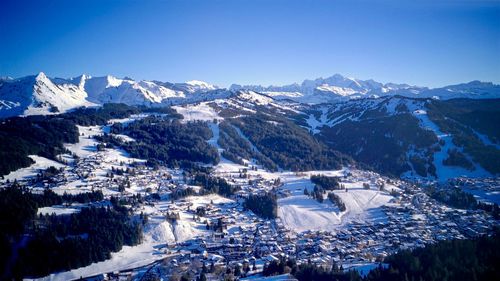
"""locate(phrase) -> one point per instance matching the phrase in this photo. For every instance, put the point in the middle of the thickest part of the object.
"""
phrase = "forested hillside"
(36, 245)
(38, 135)
(474, 128)
(288, 145)
(383, 143)
(445, 261)
(168, 141)
(397, 135)
(45, 135)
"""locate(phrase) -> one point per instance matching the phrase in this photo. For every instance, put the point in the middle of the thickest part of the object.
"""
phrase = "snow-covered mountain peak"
(338, 87)
(199, 83)
(41, 77)
(474, 84)
(196, 86)
(78, 81)
(336, 80)
(254, 97)
(40, 94)
(82, 79)
(113, 81)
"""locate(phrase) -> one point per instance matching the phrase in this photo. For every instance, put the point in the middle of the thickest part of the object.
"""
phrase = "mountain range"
(338, 87)
(39, 94)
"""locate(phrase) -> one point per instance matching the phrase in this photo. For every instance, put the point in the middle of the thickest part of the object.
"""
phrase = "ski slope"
(299, 212)
(445, 172)
(41, 163)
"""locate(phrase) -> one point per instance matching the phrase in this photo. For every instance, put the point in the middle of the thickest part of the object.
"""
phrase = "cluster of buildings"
(236, 241)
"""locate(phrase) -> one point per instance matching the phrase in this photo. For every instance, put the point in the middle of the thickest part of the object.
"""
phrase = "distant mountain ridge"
(338, 87)
(39, 94)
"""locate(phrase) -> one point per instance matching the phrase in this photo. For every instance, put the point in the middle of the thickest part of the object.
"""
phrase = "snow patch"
(197, 112)
(41, 163)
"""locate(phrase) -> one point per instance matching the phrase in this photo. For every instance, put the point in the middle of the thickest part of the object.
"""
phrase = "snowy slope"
(40, 94)
(445, 172)
(196, 86)
(110, 89)
(471, 90)
(324, 119)
(299, 212)
(40, 164)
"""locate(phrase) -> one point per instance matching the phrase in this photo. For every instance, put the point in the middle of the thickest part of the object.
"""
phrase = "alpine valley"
(105, 177)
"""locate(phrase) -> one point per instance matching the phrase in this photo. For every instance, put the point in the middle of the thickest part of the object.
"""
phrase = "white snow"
(41, 163)
(255, 97)
(363, 205)
(340, 91)
(4, 104)
(86, 144)
(283, 95)
(300, 212)
(197, 112)
(196, 86)
(43, 95)
(128, 257)
(124, 138)
(314, 124)
(445, 172)
(58, 210)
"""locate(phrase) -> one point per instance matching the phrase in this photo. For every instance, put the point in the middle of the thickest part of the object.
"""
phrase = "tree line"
(45, 135)
(236, 148)
(288, 145)
(36, 245)
(325, 182)
(33, 135)
(263, 205)
(166, 141)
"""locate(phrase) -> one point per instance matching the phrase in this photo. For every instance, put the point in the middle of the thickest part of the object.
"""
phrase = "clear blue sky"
(428, 43)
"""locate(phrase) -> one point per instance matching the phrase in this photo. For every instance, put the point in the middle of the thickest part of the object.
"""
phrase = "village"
(217, 235)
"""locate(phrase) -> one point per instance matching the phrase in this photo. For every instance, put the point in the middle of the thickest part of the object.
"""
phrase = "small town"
(217, 235)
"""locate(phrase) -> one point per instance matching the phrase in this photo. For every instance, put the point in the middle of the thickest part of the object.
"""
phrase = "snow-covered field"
(299, 212)
(41, 163)
(86, 144)
(58, 210)
(364, 205)
(200, 112)
(127, 258)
